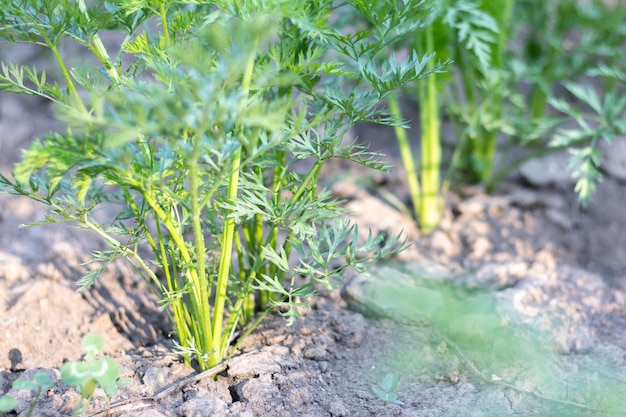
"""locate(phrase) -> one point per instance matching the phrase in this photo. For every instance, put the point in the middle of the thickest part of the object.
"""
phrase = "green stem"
(67, 76)
(237, 311)
(407, 155)
(542, 151)
(228, 237)
(174, 298)
(162, 13)
(180, 244)
(245, 276)
(118, 245)
(174, 233)
(204, 318)
(538, 103)
(311, 178)
(34, 403)
(225, 260)
(250, 328)
(98, 49)
(503, 16)
(430, 206)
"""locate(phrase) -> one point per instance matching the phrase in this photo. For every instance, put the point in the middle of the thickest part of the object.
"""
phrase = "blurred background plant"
(571, 60)
(509, 70)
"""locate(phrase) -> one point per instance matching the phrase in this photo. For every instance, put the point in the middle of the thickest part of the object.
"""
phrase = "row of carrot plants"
(520, 74)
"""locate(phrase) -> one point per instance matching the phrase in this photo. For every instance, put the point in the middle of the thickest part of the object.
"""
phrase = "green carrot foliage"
(197, 127)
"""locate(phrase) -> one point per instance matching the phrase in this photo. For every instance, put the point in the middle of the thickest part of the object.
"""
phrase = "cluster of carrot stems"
(200, 187)
(424, 177)
(567, 41)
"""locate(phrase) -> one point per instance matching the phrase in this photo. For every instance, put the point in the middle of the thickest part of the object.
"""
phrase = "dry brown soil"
(561, 268)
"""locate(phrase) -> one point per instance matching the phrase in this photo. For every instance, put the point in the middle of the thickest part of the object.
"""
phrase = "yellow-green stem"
(180, 245)
(162, 13)
(172, 296)
(204, 318)
(430, 205)
(225, 261)
(97, 47)
(129, 253)
(228, 237)
(311, 178)
(175, 299)
(66, 74)
(504, 14)
(407, 156)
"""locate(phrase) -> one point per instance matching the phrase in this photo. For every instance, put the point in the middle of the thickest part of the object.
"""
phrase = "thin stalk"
(538, 103)
(470, 145)
(248, 307)
(118, 245)
(34, 403)
(542, 151)
(503, 17)
(249, 330)
(187, 260)
(228, 237)
(277, 176)
(277, 190)
(272, 269)
(174, 233)
(258, 243)
(469, 155)
(407, 156)
(236, 312)
(98, 49)
(174, 298)
(225, 260)
(67, 76)
(430, 206)
(204, 311)
(162, 13)
(312, 177)
(468, 78)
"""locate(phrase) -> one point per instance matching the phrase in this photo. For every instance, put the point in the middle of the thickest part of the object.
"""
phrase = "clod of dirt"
(614, 158)
(548, 170)
(268, 361)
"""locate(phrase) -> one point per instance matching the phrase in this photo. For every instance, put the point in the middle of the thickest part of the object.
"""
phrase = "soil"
(545, 264)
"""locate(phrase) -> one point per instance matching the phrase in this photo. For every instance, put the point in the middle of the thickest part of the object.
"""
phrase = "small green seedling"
(91, 373)
(41, 381)
(7, 403)
(386, 391)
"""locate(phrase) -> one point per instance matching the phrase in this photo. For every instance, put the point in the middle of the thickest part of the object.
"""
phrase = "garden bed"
(562, 270)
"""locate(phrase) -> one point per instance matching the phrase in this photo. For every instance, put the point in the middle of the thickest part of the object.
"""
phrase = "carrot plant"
(602, 120)
(475, 103)
(562, 40)
(463, 32)
(570, 58)
(507, 61)
(417, 19)
(205, 132)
